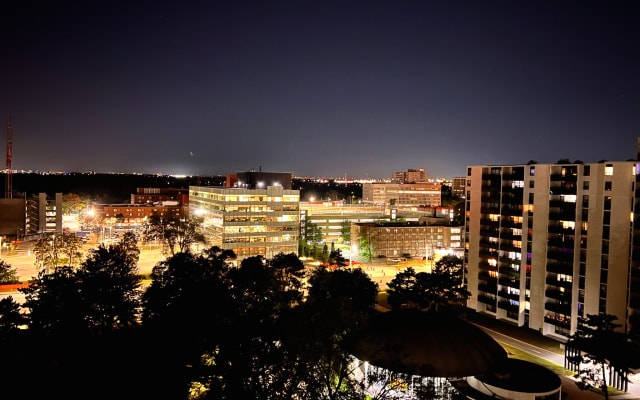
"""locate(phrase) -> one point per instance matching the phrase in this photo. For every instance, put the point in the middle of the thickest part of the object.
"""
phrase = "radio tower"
(8, 190)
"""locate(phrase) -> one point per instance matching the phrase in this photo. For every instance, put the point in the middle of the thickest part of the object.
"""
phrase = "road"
(23, 260)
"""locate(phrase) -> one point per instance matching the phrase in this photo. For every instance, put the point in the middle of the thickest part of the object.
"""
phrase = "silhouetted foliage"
(599, 346)
(8, 274)
(110, 287)
(10, 317)
(440, 289)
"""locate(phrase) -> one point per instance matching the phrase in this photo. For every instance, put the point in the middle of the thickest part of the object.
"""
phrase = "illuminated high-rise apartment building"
(258, 216)
(549, 243)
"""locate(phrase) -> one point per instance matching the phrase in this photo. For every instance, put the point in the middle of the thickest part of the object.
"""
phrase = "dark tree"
(438, 290)
(597, 346)
(402, 289)
(11, 319)
(336, 258)
(251, 360)
(8, 274)
(174, 232)
(110, 286)
(339, 302)
(54, 301)
(444, 287)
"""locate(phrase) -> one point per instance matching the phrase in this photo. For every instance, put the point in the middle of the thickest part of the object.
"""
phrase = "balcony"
(553, 281)
(511, 211)
(559, 295)
(565, 256)
(506, 223)
(507, 235)
(557, 228)
(506, 305)
(564, 309)
(510, 247)
(486, 288)
(563, 178)
(511, 272)
(505, 281)
(486, 299)
(507, 295)
(561, 241)
(562, 322)
(560, 268)
(563, 190)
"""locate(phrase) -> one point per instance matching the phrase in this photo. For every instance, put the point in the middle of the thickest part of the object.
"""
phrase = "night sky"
(321, 88)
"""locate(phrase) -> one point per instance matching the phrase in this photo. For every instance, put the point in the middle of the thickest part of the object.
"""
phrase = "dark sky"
(322, 88)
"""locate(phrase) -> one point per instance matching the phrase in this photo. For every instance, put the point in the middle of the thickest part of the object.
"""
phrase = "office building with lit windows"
(259, 216)
(546, 244)
(409, 196)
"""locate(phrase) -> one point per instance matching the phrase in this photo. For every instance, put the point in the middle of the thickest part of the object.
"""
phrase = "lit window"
(608, 170)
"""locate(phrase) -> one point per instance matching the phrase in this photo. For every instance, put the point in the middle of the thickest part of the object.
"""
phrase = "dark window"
(607, 185)
(607, 203)
(587, 170)
(585, 185)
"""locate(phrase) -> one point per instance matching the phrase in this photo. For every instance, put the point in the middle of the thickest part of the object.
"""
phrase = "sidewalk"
(554, 352)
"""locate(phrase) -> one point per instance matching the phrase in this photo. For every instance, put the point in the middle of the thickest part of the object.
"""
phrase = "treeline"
(204, 327)
(102, 188)
(117, 188)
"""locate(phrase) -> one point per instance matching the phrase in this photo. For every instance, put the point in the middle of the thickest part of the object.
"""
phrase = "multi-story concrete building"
(549, 243)
(458, 186)
(252, 219)
(402, 195)
(401, 239)
(157, 195)
(410, 176)
(332, 216)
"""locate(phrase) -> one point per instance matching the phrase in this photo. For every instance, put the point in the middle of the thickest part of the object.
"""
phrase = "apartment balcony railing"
(552, 280)
(507, 305)
(564, 256)
(507, 235)
(508, 295)
(562, 322)
(487, 299)
(560, 190)
(561, 241)
(486, 288)
(513, 283)
(560, 268)
(558, 308)
(511, 211)
(489, 222)
(558, 295)
(506, 223)
(557, 228)
(563, 178)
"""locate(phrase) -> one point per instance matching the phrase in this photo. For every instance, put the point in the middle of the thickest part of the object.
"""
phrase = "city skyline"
(348, 88)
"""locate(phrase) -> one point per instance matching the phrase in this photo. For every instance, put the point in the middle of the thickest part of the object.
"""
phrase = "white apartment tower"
(548, 243)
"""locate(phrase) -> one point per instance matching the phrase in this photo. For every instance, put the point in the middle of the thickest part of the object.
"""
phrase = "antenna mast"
(8, 189)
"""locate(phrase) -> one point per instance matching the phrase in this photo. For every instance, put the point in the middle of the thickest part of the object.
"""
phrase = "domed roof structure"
(427, 344)
(521, 376)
